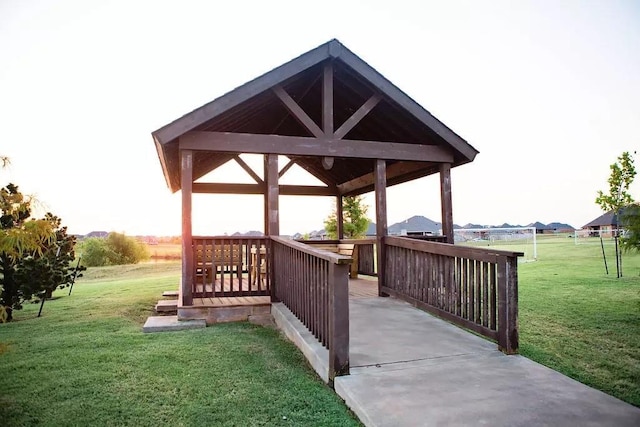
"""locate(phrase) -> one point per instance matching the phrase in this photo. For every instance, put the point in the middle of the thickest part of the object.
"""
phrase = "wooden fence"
(230, 266)
(472, 287)
(313, 284)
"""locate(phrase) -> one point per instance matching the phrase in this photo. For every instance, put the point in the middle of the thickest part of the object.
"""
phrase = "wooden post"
(338, 320)
(339, 217)
(508, 304)
(445, 202)
(272, 216)
(381, 220)
(186, 159)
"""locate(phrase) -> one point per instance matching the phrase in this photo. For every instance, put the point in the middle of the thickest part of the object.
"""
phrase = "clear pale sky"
(547, 91)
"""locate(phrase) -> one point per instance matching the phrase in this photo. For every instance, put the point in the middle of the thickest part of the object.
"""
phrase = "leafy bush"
(116, 249)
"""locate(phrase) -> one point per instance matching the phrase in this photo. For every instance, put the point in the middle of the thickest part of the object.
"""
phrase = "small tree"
(21, 240)
(622, 174)
(355, 221)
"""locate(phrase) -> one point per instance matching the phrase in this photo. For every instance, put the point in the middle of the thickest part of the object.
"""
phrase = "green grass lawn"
(576, 319)
(86, 362)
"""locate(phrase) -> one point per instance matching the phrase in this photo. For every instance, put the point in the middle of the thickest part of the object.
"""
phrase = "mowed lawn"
(576, 319)
(86, 362)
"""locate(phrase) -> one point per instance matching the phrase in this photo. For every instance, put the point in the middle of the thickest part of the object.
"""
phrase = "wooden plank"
(248, 169)
(338, 320)
(327, 99)
(309, 249)
(285, 190)
(298, 113)
(356, 117)
(381, 220)
(340, 217)
(186, 161)
(286, 168)
(480, 254)
(307, 146)
(273, 193)
(446, 202)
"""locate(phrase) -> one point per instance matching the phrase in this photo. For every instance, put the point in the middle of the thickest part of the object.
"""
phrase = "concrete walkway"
(409, 368)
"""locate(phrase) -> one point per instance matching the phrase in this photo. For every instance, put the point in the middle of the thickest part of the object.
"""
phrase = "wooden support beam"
(327, 99)
(286, 168)
(248, 169)
(298, 112)
(305, 146)
(272, 195)
(381, 221)
(339, 217)
(338, 320)
(445, 201)
(186, 166)
(285, 190)
(355, 118)
(393, 171)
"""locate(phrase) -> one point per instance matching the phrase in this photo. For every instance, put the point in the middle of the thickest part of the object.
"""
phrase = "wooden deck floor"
(358, 288)
(363, 288)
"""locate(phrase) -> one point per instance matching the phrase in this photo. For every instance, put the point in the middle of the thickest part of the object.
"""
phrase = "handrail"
(319, 253)
(480, 254)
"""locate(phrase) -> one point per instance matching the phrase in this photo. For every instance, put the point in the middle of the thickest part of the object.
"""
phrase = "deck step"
(221, 314)
(167, 306)
(171, 323)
(173, 294)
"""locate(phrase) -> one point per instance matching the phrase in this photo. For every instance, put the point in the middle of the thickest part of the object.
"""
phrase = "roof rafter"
(298, 112)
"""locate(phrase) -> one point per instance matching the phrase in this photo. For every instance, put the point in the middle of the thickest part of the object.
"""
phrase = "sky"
(547, 91)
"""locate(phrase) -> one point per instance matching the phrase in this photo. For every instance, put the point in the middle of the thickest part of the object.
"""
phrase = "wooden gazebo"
(332, 114)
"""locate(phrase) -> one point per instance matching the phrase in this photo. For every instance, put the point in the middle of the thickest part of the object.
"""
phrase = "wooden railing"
(313, 284)
(472, 287)
(366, 256)
(230, 266)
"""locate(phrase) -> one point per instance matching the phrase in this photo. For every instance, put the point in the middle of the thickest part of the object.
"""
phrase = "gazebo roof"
(282, 112)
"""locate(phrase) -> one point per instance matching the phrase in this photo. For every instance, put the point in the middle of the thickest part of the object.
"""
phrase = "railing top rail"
(308, 249)
(366, 241)
(481, 254)
(230, 238)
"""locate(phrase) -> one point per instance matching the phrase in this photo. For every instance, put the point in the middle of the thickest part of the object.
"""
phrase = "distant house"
(541, 228)
(560, 227)
(98, 234)
(605, 225)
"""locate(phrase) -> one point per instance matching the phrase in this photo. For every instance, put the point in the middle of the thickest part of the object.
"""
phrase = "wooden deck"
(363, 288)
(358, 288)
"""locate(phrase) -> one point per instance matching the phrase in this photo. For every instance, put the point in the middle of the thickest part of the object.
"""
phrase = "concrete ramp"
(409, 368)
